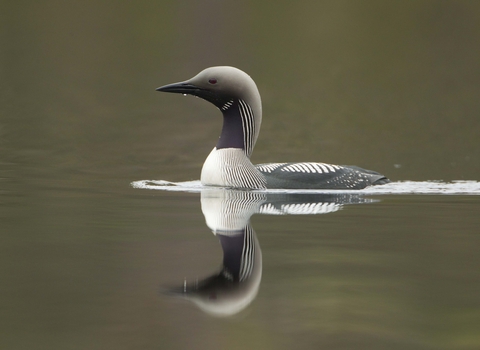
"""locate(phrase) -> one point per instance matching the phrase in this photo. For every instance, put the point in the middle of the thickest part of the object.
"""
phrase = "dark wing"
(318, 176)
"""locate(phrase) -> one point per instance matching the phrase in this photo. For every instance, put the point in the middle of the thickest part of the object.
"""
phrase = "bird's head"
(219, 85)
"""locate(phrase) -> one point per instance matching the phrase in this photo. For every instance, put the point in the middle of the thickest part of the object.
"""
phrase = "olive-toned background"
(392, 86)
(371, 83)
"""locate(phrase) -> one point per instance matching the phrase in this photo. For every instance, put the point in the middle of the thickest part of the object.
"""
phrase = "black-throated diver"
(228, 165)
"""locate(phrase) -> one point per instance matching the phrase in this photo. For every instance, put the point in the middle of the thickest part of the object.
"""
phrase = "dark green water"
(85, 257)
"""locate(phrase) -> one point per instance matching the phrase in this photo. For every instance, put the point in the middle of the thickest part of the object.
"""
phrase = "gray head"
(225, 87)
(219, 85)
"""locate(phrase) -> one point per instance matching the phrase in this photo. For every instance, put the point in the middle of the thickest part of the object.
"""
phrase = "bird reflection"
(227, 213)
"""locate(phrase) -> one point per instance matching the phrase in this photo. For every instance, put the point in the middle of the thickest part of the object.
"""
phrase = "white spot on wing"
(316, 168)
(324, 168)
(268, 168)
(330, 167)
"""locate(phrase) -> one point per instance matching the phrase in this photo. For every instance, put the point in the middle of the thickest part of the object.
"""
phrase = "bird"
(236, 95)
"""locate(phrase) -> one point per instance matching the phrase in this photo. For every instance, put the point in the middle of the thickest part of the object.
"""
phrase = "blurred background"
(391, 86)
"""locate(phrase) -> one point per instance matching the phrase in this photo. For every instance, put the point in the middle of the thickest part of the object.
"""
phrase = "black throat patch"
(232, 130)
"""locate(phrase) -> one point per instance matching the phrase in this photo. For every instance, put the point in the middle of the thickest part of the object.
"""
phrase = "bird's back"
(318, 176)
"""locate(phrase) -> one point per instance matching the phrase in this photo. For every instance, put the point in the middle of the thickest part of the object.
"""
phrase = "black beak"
(180, 88)
(187, 88)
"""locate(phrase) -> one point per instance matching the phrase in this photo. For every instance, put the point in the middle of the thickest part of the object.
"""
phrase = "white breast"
(230, 167)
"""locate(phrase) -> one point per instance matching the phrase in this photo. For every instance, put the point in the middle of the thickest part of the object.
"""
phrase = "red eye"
(212, 81)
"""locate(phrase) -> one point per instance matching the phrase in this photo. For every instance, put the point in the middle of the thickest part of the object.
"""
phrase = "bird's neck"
(229, 165)
(241, 125)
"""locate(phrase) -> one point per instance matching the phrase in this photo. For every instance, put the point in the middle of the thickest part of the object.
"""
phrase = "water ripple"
(459, 187)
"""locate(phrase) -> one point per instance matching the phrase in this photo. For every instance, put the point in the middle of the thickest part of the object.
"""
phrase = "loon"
(228, 165)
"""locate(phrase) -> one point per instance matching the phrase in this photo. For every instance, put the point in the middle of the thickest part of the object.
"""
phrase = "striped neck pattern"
(239, 127)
